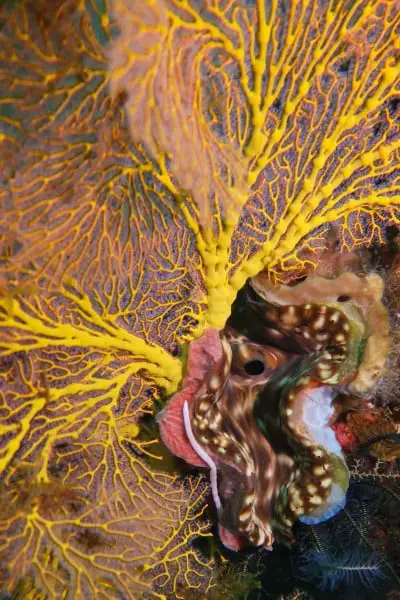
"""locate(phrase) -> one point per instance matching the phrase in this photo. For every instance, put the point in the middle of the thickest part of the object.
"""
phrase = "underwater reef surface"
(156, 159)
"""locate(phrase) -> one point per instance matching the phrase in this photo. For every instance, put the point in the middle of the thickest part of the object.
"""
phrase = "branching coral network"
(141, 185)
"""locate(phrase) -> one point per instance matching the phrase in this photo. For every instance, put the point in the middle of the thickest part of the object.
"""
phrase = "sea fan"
(108, 264)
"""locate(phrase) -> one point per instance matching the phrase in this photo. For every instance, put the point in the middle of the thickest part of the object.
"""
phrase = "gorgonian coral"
(308, 94)
(113, 253)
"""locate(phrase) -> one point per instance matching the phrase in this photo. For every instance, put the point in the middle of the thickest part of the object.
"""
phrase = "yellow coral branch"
(14, 444)
(33, 331)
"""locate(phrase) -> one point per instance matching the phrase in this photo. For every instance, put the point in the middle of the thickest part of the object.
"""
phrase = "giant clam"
(257, 404)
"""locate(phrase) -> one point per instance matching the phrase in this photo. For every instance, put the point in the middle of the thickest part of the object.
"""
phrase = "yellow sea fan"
(308, 94)
(108, 262)
(160, 65)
